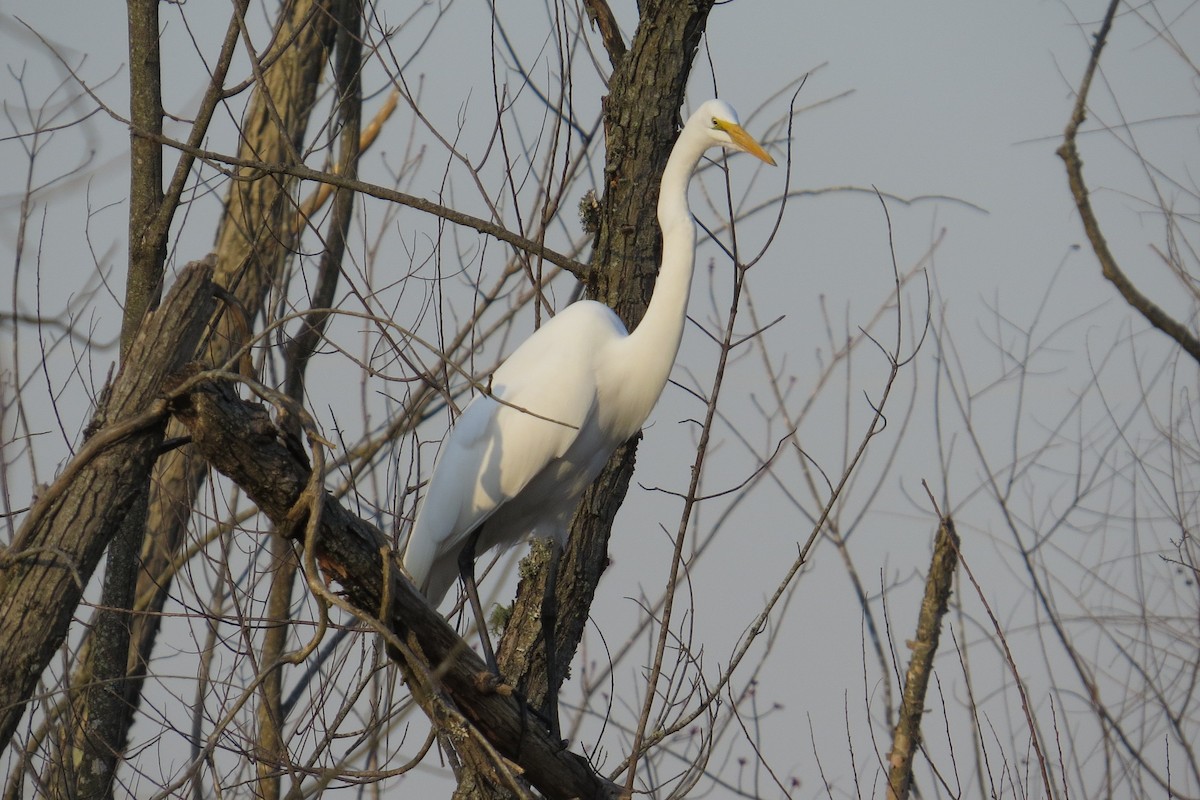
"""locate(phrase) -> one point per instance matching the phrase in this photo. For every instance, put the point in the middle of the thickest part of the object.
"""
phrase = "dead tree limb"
(906, 738)
(605, 21)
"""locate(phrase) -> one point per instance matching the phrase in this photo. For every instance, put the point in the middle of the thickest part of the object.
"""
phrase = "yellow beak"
(745, 141)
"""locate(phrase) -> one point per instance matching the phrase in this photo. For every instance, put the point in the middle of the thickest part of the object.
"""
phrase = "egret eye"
(716, 123)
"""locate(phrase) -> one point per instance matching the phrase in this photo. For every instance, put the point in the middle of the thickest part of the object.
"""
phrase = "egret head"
(720, 122)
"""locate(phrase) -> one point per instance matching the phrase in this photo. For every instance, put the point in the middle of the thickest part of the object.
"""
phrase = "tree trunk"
(44, 572)
(101, 722)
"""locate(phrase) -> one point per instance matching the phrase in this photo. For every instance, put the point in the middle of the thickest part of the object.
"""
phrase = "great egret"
(520, 455)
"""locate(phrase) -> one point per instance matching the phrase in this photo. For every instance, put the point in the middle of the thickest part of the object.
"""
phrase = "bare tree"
(275, 406)
(271, 319)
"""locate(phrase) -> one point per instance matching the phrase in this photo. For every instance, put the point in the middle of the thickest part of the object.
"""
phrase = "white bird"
(520, 456)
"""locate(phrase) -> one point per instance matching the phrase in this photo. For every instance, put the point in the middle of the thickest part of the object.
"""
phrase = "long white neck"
(649, 351)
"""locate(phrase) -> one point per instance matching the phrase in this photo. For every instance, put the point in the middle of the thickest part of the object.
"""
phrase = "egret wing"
(539, 400)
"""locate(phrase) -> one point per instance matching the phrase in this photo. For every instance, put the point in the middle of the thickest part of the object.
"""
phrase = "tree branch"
(147, 251)
(602, 18)
(576, 268)
(1069, 153)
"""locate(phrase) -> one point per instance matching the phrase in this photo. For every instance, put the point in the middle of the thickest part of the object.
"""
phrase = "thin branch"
(579, 270)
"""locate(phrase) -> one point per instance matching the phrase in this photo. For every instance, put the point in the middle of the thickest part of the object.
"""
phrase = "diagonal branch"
(602, 18)
(1069, 153)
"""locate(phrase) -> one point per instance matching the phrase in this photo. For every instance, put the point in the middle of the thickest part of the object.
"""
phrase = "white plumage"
(517, 461)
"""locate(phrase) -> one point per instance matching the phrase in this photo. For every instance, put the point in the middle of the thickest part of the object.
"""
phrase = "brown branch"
(610, 33)
(347, 68)
(239, 439)
(147, 252)
(906, 738)
(255, 237)
(203, 118)
(1069, 153)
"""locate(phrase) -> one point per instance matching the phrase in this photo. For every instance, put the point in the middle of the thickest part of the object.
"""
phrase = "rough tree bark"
(44, 571)
(147, 249)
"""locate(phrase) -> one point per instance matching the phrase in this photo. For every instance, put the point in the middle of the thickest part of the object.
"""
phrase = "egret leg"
(549, 631)
(466, 571)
